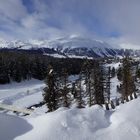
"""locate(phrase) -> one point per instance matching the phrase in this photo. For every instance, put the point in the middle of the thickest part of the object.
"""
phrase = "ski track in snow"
(22, 94)
(10, 100)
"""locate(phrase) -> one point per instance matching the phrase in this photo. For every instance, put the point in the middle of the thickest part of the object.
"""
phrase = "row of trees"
(91, 87)
(19, 66)
(127, 75)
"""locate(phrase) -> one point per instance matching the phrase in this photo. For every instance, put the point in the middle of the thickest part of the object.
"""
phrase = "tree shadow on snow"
(12, 126)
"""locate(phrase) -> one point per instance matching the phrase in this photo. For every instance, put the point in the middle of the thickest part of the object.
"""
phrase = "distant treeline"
(19, 66)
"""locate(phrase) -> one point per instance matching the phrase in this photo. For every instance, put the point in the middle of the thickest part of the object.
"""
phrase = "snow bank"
(92, 123)
(87, 124)
(73, 124)
(125, 122)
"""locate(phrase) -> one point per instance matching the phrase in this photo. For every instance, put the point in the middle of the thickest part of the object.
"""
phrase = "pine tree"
(73, 90)
(119, 74)
(137, 72)
(91, 89)
(113, 72)
(88, 74)
(128, 86)
(108, 84)
(98, 84)
(112, 105)
(51, 90)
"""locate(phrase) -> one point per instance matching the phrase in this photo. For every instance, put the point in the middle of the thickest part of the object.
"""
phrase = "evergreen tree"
(113, 72)
(119, 74)
(128, 86)
(73, 90)
(88, 74)
(98, 84)
(137, 72)
(108, 84)
(112, 105)
(91, 89)
(51, 91)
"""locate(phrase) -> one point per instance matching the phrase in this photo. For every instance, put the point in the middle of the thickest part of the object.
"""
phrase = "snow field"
(92, 123)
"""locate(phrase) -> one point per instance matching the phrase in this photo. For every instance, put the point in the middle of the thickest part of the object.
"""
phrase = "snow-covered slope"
(68, 47)
(22, 94)
(92, 123)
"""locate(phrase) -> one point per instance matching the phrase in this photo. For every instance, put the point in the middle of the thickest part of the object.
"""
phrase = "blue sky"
(116, 21)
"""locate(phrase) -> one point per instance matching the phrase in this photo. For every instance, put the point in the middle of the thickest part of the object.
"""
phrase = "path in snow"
(17, 109)
(22, 94)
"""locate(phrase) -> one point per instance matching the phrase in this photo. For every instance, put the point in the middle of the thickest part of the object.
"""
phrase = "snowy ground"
(22, 94)
(113, 90)
(115, 65)
(94, 123)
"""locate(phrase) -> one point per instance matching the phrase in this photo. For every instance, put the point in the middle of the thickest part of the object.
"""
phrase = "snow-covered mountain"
(78, 46)
(64, 47)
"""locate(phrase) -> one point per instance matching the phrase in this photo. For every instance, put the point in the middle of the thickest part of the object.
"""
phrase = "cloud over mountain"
(116, 21)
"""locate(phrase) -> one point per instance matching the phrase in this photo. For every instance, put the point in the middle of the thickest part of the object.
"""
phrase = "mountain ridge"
(73, 46)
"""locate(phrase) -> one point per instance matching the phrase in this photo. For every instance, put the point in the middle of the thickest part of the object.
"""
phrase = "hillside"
(89, 123)
(75, 124)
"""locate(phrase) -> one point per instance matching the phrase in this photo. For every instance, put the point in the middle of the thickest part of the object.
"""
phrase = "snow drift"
(92, 123)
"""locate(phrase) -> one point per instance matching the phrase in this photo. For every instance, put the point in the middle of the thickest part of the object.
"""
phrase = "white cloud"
(129, 46)
(54, 18)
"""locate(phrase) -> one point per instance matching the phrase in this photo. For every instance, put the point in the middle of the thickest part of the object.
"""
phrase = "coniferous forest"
(93, 85)
(19, 66)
